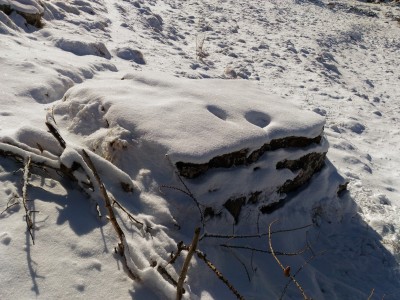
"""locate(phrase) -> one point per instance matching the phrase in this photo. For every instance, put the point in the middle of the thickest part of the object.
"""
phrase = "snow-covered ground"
(146, 84)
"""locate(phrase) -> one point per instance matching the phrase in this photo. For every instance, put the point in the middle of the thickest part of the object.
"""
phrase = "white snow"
(177, 116)
(141, 85)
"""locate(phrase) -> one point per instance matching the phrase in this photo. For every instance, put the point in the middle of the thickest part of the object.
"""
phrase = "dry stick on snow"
(286, 270)
(28, 219)
(8, 206)
(53, 130)
(221, 236)
(266, 251)
(115, 202)
(122, 245)
(185, 267)
(298, 271)
(203, 257)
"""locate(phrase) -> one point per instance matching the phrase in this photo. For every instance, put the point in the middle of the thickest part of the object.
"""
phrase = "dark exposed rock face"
(32, 19)
(305, 167)
(242, 157)
(308, 166)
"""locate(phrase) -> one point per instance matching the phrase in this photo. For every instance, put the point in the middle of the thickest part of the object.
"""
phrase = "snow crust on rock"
(191, 120)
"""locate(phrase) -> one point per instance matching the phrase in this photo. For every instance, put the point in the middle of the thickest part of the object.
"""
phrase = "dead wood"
(185, 266)
(209, 264)
(122, 245)
(28, 212)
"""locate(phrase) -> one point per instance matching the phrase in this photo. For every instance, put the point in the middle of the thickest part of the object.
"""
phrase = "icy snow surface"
(144, 84)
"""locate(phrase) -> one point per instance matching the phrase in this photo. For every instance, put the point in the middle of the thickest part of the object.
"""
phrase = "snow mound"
(216, 133)
(190, 120)
(82, 48)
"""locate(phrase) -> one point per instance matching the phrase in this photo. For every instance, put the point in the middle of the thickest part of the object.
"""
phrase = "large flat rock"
(228, 138)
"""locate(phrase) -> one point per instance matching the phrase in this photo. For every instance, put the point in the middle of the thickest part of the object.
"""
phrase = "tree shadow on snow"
(355, 260)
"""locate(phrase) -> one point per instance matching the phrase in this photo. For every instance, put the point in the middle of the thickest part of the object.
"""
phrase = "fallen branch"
(53, 130)
(203, 257)
(185, 267)
(286, 271)
(122, 245)
(115, 202)
(28, 219)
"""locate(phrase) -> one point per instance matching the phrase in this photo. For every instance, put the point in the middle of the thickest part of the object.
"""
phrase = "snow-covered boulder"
(31, 10)
(235, 146)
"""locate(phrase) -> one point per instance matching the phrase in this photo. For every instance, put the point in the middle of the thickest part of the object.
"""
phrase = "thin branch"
(370, 295)
(122, 245)
(286, 270)
(53, 130)
(188, 193)
(279, 253)
(203, 257)
(28, 219)
(242, 263)
(223, 236)
(8, 205)
(186, 263)
(115, 202)
(180, 247)
(298, 271)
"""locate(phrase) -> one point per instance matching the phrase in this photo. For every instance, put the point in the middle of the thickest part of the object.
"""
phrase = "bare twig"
(53, 130)
(188, 193)
(242, 263)
(115, 202)
(370, 295)
(8, 206)
(181, 247)
(186, 263)
(28, 219)
(222, 236)
(278, 253)
(122, 245)
(286, 270)
(298, 271)
(203, 257)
